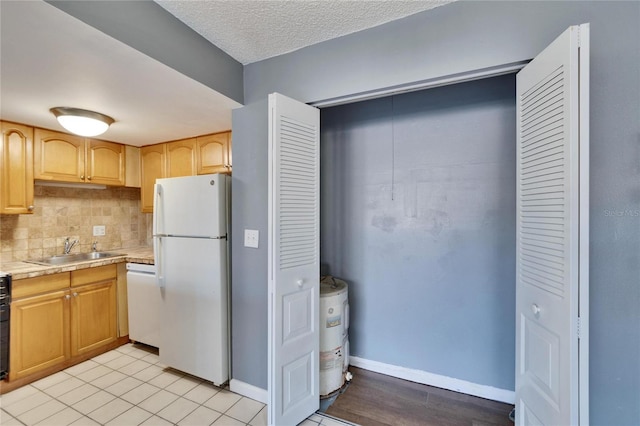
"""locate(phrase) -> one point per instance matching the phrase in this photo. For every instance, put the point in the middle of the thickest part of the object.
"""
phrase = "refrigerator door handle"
(157, 208)
(157, 252)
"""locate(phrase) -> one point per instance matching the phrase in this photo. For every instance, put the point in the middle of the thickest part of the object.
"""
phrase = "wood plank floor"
(373, 399)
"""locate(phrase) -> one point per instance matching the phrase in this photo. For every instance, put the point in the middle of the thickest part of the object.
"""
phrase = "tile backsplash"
(72, 212)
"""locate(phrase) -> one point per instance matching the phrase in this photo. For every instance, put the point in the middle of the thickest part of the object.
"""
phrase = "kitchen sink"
(72, 258)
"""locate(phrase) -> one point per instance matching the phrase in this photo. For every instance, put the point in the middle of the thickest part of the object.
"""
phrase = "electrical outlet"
(98, 230)
(251, 238)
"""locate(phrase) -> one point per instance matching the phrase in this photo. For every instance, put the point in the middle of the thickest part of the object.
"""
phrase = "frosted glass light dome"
(82, 122)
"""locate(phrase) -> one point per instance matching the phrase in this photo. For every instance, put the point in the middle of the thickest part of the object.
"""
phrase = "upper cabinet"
(105, 162)
(214, 153)
(58, 156)
(16, 174)
(152, 167)
(68, 158)
(187, 157)
(181, 158)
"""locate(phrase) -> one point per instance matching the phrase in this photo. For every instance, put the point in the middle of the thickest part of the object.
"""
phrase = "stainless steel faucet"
(94, 246)
(69, 245)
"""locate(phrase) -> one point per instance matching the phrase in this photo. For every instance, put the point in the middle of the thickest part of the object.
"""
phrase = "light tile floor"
(128, 386)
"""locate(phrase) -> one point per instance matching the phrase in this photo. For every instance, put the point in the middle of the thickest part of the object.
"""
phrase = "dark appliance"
(5, 302)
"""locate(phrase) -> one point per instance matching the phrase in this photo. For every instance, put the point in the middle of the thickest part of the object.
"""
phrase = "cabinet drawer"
(93, 275)
(37, 285)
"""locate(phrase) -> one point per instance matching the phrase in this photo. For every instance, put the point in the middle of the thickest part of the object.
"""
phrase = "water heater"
(334, 334)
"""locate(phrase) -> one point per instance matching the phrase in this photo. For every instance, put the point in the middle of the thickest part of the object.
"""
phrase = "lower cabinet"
(61, 316)
(39, 333)
(93, 316)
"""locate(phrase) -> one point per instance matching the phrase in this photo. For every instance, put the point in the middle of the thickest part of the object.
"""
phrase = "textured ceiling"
(61, 61)
(253, 30)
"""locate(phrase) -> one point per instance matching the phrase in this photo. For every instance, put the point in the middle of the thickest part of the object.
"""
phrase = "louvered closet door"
(294, 272)
(552, 105)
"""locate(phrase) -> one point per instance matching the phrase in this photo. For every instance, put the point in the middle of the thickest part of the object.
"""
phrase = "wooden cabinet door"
(39, 333)
(93, 316)
(59, 156)
(181, 158)
(105, 162)
(152, 163)
(16, 174)
(213, 153)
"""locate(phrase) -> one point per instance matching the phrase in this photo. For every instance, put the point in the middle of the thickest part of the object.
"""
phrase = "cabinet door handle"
(75, 294)
(88, 177)
(30, 208)
(81, 177)
(67, 297)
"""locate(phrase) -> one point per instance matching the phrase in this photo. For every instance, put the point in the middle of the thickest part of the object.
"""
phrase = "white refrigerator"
(190, 250)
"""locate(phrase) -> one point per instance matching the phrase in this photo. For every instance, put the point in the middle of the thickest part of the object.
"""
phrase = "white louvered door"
(552, 234)
(294, 268)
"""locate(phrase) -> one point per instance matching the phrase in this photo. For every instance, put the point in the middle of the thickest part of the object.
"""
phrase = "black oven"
(5, 302)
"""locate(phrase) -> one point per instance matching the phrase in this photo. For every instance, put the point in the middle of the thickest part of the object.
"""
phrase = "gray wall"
(249, 265)
(418, 215)
(467, 35)
(147, 27)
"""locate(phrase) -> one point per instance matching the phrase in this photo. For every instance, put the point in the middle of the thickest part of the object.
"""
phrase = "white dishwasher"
(145, 301)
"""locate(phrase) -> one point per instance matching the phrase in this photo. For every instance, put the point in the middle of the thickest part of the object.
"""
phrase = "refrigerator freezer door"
(193, 206)
(194, 334)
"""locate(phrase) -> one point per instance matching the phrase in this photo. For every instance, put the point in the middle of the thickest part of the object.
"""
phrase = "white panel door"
(552, 234)
(294, 269)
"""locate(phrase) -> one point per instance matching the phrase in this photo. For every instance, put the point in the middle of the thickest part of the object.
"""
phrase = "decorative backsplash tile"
(72, 212)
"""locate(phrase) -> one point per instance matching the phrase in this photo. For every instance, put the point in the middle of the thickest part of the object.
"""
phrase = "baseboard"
(418, 376)
(431, 379)
(250, 391)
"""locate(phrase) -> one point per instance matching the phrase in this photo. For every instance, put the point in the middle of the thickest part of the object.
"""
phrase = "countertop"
(21, 270)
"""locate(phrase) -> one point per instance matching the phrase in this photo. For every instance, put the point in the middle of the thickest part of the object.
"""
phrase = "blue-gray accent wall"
(249, 265)
(418, 215)
(465, 36)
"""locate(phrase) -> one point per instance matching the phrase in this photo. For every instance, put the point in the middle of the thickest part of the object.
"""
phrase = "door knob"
(68, 296)
(300, 282)
(535, 309)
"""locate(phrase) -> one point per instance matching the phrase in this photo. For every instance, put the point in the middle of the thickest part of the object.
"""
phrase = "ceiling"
(61, 61)
(253, 30)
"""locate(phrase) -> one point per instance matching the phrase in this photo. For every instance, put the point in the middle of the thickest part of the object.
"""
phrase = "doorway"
(418, 216)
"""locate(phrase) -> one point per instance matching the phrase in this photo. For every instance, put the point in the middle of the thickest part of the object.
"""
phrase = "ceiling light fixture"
(81, 121)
